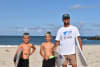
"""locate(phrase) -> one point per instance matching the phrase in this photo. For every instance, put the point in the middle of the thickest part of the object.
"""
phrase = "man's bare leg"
(74, 65)
(64, 65)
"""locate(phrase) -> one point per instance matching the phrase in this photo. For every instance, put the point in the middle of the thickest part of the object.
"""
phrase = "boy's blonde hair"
(48, 33)
(26, 34)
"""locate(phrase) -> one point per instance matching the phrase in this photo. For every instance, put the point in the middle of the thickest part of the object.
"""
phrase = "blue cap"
(66, 16)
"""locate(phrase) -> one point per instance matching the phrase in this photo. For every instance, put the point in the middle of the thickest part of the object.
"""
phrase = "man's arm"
(80, 41)
(33, 49)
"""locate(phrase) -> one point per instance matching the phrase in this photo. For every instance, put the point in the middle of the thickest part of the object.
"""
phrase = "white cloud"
(40, 30)
(35, 29)
(78, 6)
(96, 25)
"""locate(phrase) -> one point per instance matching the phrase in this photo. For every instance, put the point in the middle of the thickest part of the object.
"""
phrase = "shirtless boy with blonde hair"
(26, 51)
(46, 51)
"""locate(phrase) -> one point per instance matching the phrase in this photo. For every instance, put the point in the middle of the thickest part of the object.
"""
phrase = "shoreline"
(39, 45)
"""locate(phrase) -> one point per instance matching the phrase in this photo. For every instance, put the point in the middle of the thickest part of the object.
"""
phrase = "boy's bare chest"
(48, 47)
(26, 47)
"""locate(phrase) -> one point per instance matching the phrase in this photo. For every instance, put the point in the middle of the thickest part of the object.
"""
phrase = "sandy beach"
(92, 53)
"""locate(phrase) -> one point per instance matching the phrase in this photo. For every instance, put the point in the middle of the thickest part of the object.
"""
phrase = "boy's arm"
(16, 54)
(80, 42)
(41, 49)
(58, 38)
(57, 43)
(19, 47)
(33, 49)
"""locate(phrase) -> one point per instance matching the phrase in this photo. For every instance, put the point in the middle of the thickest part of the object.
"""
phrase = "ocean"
(37, 40)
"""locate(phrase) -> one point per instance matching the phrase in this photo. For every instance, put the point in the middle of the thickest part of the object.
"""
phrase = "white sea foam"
(8, 45)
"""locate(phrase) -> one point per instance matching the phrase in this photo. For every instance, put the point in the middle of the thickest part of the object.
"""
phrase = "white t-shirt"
(66, 36)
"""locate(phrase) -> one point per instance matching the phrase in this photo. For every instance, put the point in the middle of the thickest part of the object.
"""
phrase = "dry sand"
(92, 53)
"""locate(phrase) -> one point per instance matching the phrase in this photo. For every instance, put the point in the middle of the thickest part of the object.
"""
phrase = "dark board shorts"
(23, 63)
(49, 63)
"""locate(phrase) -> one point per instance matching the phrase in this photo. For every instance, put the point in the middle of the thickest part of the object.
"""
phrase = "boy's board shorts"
(23, 63)
(49, 62)
(71, 59)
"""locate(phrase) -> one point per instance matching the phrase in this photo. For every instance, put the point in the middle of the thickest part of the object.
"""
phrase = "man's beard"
(66, 23)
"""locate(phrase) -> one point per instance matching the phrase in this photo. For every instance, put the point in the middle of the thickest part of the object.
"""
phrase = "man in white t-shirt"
(66, 38)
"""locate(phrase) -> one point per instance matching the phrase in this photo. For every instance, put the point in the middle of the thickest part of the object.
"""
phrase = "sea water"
(37, 40)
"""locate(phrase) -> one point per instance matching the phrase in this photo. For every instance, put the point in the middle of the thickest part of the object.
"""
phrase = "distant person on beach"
(26, 51)
(66, 38)
(47, 50)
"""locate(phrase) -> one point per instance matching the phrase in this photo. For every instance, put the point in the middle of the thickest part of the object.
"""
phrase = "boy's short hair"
(48, 33)
(25, 34)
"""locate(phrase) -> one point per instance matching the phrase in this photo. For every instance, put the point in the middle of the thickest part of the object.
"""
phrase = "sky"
(40, 16)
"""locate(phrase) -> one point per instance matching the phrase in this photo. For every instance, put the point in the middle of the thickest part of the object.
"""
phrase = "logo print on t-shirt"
(67, 34)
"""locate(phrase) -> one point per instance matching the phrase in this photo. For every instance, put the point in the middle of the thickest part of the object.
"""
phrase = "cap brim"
(66, 17)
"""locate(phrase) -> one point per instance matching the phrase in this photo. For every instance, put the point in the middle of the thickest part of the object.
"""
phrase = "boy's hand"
(54, 49)
(31, 53)
(46, 58)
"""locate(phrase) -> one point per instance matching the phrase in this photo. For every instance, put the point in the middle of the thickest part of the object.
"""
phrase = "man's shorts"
(49, 63)
(71, 59)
